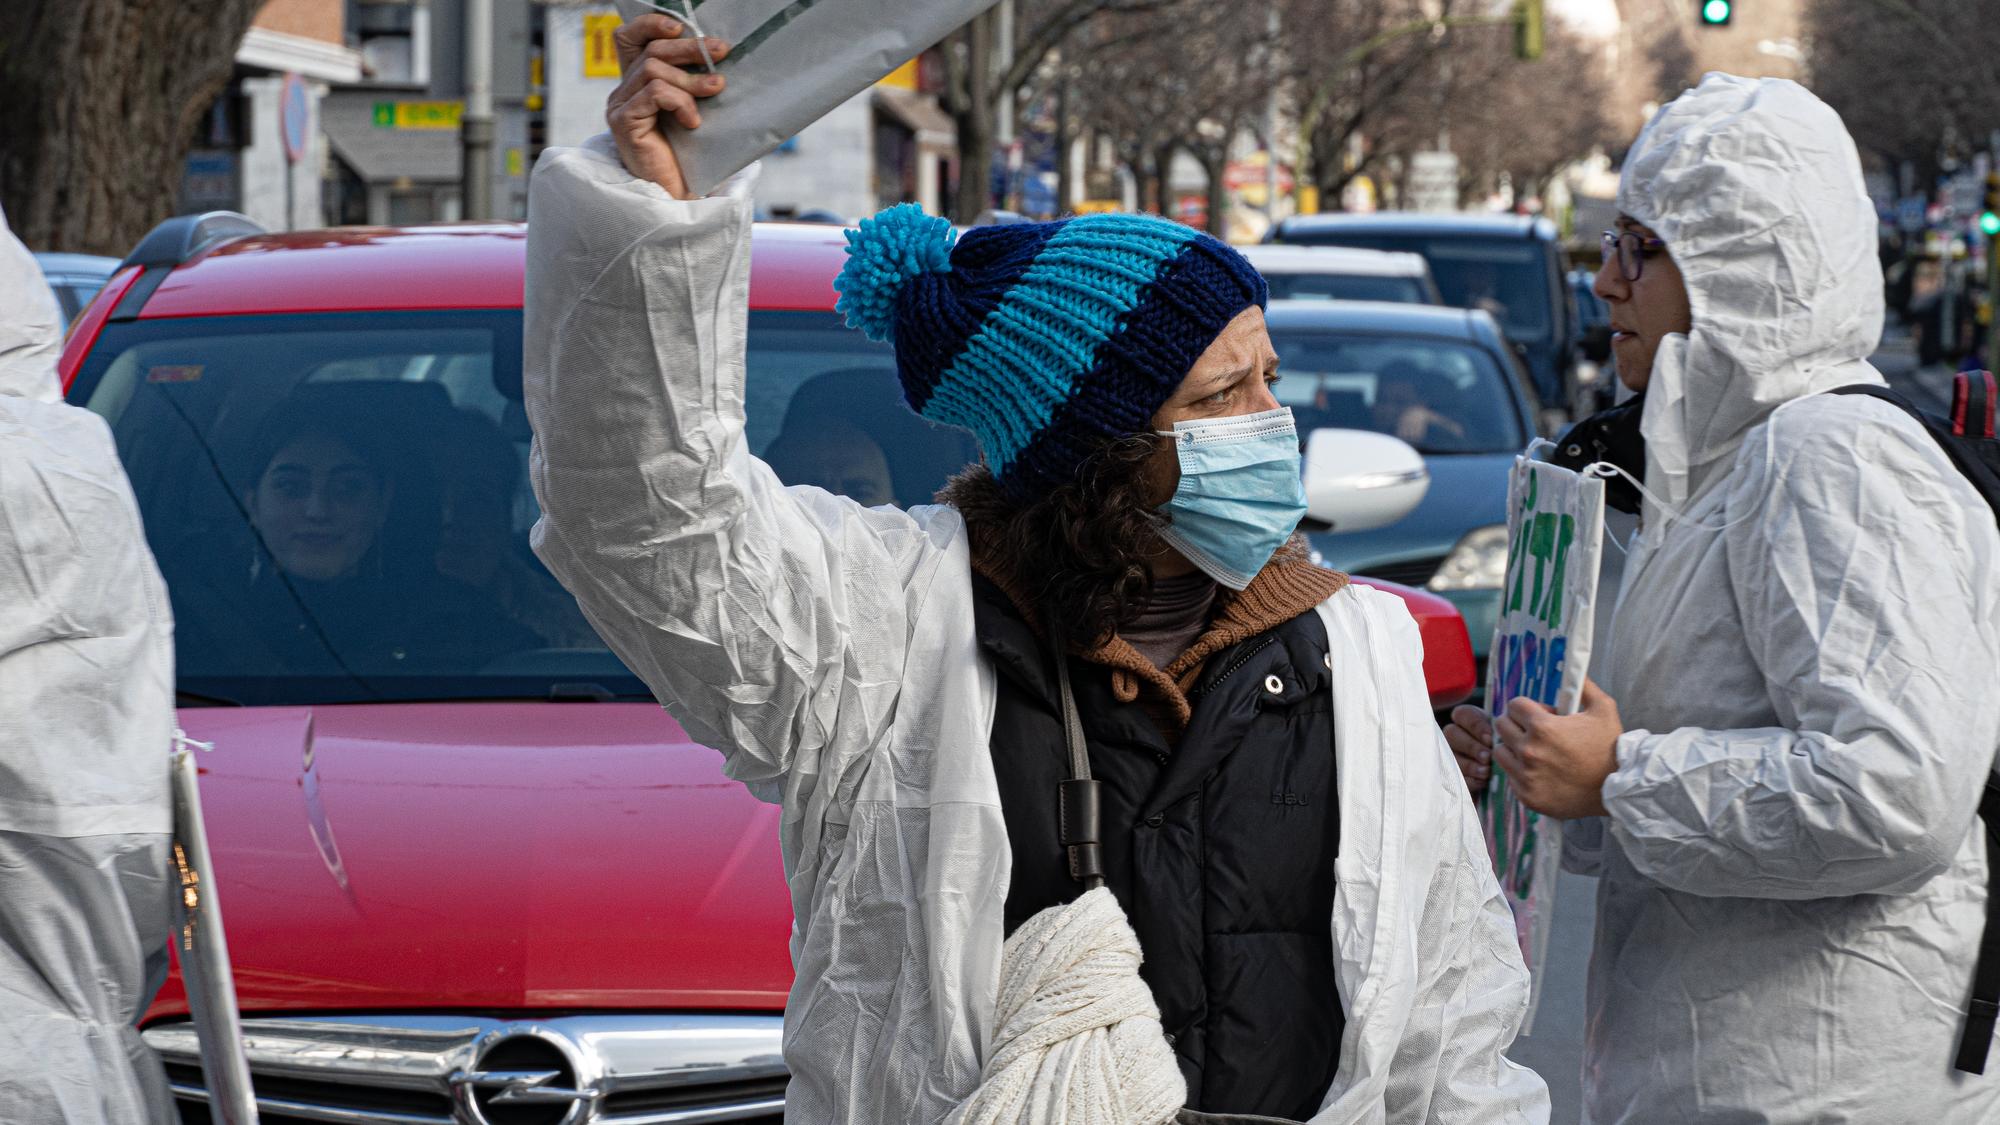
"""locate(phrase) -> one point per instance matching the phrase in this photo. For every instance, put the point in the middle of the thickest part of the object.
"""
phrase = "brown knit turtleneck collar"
(1289, 585)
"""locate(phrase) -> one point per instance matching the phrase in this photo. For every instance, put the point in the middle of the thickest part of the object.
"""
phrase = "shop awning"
(387, 154)
(919, 113)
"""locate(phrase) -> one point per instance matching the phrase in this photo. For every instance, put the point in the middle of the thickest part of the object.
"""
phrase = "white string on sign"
(686, 18)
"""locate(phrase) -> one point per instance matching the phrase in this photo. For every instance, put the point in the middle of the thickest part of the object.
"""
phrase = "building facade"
(260, 148)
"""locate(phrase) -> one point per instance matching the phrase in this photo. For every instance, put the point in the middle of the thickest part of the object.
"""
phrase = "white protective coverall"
(1804, 656)
(828, 650)
(86, 722)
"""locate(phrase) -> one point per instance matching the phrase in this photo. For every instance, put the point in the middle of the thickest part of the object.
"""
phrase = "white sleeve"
(763, 618)
(1451, 1066)
(1864, 571)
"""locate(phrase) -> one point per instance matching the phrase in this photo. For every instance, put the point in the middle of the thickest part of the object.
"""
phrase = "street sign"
(1249, 172)
(418, 115)
(600, 50)
(296, 114)
(1963, 195)
(1433, 181)
(1910, 214)
(208, 180)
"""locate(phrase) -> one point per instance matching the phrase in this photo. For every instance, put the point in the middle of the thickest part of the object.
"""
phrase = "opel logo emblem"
(521, 1078)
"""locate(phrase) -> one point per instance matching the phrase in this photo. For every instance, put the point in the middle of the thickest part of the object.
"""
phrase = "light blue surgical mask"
(1240, 495)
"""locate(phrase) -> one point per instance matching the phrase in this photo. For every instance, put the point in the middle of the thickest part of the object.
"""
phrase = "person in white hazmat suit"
(86, 721)
(832, 653)
(1778, 783)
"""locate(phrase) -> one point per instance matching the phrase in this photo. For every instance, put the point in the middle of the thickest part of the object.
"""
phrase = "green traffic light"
(1715, 11)
(1990, 224)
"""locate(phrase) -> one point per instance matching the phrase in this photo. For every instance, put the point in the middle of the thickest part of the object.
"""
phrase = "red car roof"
(456, 266)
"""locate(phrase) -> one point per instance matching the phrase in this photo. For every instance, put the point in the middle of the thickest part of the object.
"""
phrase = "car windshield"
(1507, 277)
(1441, 396)
(1345, 287)
(340, 502)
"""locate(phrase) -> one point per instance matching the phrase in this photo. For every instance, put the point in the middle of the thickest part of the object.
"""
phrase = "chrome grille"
(464, 1070)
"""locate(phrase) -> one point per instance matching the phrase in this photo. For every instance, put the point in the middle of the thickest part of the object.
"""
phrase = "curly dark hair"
(1077, 553)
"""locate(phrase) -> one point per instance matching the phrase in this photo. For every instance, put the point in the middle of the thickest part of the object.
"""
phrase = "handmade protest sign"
(789, 62)
(1541, 651)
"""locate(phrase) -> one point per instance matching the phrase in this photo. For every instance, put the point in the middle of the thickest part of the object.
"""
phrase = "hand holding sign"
(1470, 737)
(660, 81)
(1558, 763)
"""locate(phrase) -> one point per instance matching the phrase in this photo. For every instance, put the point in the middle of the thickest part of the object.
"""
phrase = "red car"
(471, 872)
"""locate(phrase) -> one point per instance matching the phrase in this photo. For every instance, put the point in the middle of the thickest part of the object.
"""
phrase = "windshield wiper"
(197, 699)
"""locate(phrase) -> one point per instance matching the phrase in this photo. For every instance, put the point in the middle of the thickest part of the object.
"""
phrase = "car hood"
(488, 856)
(1468, 491)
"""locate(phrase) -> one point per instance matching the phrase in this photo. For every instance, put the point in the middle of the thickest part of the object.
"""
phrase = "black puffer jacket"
(1220, 847)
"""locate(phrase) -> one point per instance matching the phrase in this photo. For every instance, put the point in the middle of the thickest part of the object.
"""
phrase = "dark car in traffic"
(1512, 266)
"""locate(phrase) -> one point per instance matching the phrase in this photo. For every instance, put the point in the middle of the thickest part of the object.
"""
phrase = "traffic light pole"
(1989, 225)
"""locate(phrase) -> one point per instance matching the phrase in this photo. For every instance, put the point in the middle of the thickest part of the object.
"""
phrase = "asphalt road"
(1555, 1049)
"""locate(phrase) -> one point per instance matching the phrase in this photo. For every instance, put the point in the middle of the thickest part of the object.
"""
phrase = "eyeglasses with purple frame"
(1632, 249)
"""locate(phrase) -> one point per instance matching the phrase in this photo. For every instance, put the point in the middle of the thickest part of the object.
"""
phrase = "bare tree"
(1180, 79)
(1369, 70)
(1916, 80)
(102, 99)
(975, 90)
(1525, 120)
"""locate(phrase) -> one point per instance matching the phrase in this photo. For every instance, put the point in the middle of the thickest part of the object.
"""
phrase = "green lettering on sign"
(1552, 612)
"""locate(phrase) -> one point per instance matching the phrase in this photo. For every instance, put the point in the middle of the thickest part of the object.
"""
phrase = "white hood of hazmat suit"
(1804, 657)
(86, 720)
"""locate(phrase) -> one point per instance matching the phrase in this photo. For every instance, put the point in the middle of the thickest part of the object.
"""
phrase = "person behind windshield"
(86, 725)
(895, 679)
(1402, 407)
(331, 590)
(1482, 284)
(479, 475)
(833, 454)
(1777, 785)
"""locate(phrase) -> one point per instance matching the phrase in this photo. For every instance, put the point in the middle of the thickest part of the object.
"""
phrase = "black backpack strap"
(1984, 1009)
(1972, 395)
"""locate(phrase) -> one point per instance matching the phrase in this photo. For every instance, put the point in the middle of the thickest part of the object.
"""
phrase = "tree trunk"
(1163, 178)
(1218, 199)
(974, 118)
(102, 99)
(1064, 139)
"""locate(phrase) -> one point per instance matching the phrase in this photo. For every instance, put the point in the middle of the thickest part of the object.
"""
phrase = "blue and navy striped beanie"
(1043, 339)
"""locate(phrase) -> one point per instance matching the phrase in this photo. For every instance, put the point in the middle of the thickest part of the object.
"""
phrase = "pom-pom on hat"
(1043, 339)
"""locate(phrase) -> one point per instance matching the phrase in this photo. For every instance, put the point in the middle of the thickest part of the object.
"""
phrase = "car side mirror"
(1359, 480)
(1597, 343)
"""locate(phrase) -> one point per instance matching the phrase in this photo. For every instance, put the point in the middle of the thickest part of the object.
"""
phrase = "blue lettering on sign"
(1528, 666)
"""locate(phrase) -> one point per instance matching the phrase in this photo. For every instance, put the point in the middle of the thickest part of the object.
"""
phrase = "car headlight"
(1478, 562)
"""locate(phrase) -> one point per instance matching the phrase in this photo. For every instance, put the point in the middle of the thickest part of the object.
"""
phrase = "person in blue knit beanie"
(1102, 674)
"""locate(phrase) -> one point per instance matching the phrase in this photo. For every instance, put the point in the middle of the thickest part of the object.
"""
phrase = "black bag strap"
(1984, 1010)
(1079, 811)
(1972, 400)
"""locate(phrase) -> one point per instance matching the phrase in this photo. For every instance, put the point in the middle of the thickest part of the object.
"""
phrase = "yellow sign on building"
(418, 115)
(902, 78)
(600, 50)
